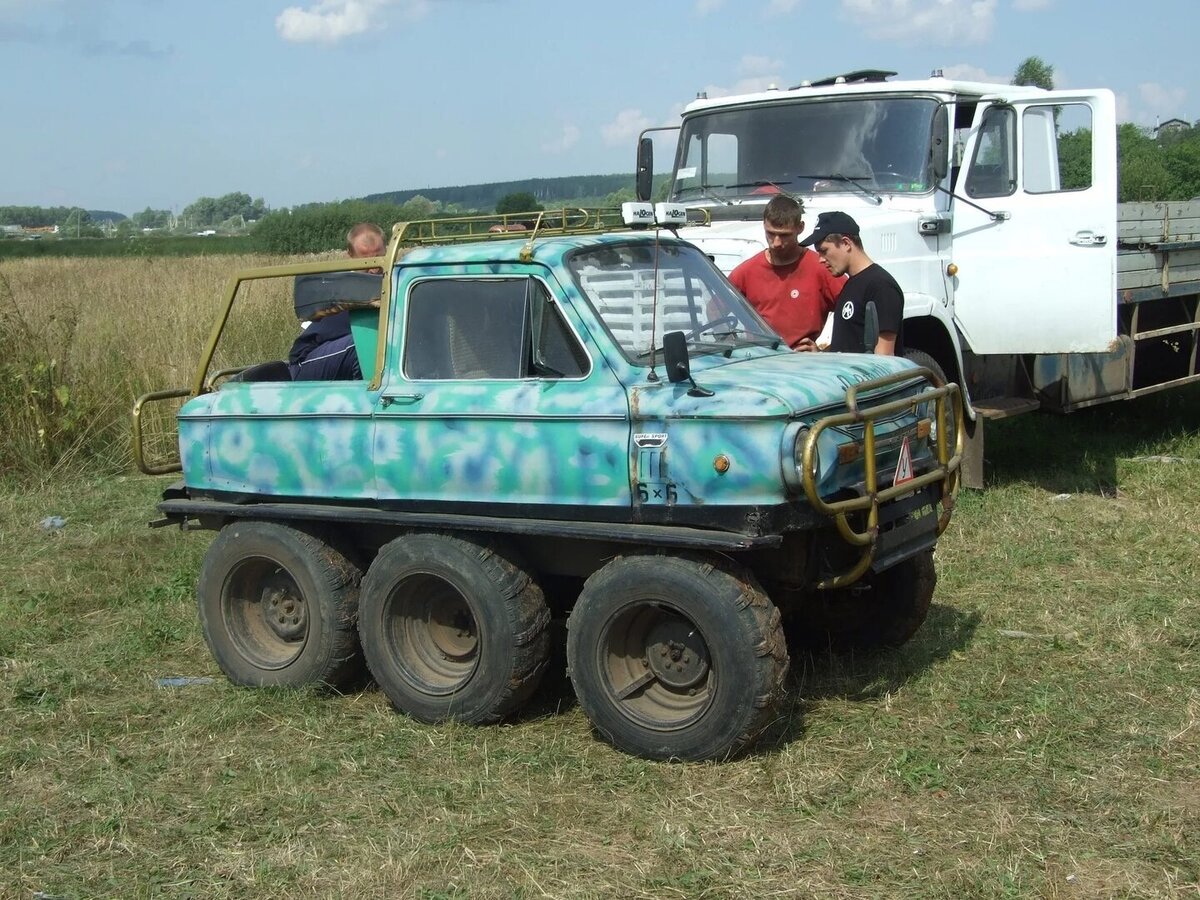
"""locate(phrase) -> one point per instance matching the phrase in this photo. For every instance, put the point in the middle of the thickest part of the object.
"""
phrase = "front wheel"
(676, 657)
(883, 609)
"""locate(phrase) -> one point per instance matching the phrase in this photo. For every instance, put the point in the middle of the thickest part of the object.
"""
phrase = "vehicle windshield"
(643, 290)
(864, 144)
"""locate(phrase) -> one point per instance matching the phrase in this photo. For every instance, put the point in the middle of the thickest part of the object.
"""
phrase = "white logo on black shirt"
(848, 310)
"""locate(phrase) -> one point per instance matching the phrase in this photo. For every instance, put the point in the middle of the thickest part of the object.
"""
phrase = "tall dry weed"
(82, 338)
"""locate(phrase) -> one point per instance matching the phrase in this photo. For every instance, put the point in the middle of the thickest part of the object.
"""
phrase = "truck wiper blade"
(705, 190)
(760, 183)
(853, 181)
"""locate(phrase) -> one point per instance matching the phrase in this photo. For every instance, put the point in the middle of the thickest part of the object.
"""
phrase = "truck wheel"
(883, 609)
(452, 628)
(676, 657)
(921, 358)
(278, 606)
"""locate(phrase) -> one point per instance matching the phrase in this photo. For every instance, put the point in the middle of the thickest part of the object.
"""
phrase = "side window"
(1056, 148)
(722, 159)
(481, 328)
(554, 352)
(993, 171)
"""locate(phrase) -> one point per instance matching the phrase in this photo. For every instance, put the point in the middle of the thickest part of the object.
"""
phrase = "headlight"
(794, 439)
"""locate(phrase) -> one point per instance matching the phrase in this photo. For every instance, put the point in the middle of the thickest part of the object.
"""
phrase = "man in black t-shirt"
(837, 241)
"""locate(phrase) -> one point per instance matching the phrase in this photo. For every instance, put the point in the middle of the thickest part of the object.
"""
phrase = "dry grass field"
(1040, 737)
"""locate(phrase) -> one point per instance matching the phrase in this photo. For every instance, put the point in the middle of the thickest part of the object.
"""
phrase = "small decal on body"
(650, 439)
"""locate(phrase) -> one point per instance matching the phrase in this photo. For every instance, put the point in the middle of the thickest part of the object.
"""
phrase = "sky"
(127, 104)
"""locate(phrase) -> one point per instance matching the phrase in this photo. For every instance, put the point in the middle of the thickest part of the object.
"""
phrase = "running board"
(1003, 407)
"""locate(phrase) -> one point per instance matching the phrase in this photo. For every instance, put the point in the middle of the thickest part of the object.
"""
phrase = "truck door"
(1036, 252)
(498, 400)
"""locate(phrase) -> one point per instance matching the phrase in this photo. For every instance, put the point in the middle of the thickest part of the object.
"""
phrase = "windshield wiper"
(853, 181)
(760, 183)
(705, 191)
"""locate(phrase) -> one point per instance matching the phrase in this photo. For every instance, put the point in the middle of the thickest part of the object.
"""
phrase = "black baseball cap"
(830, 223)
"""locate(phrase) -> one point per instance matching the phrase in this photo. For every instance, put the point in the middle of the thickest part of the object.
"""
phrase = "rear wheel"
(882, 609)
(676, 656)
(453, 629)
(278, 606)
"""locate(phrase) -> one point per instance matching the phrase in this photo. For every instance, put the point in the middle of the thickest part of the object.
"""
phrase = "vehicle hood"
(767, 384)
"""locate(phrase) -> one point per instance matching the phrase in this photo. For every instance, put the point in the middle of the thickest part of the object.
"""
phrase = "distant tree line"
(545, 191)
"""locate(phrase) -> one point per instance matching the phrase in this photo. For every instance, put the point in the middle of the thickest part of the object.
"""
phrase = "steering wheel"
(695, 333)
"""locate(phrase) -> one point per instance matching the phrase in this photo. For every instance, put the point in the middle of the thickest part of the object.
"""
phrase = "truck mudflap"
(890, 523)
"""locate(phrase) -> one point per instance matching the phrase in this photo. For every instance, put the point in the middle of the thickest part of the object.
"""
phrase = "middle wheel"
(452, 628)
(676, 656)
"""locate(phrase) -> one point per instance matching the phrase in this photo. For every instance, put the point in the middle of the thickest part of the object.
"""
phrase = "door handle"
(389, 399)
(1089, 239)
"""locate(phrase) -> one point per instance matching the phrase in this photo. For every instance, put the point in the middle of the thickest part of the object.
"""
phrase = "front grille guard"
(946, 471)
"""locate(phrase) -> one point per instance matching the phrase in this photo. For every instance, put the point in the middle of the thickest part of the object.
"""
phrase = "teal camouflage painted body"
(618, 435)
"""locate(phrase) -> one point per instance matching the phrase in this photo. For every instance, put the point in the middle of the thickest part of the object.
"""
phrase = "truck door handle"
(389, 399)
(1089, 239)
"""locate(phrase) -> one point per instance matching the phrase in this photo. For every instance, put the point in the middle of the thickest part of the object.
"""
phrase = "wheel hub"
(676, 653)
(284, 612)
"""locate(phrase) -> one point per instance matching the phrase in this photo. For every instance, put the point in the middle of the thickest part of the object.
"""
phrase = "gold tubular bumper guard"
(946, 471)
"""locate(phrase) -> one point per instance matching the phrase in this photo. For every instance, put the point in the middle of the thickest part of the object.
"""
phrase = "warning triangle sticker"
(904, 470)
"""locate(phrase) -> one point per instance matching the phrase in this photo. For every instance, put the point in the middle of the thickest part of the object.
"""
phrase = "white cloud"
(567, 139)
(624, 129)
(759, 73)
(1155, 103)
(759, 65)
(704, 7)
(967, 72)
(330, 21)
(1030, 5)
(944, 22)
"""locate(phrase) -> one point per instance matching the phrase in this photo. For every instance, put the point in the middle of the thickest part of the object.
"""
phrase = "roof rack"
(859, 76)
(505, 226)
(531, 225)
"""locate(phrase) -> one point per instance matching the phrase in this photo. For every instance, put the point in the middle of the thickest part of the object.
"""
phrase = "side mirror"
(939, 145)
(675, 352)
(679, 367)
(643, 180)
(870, 328)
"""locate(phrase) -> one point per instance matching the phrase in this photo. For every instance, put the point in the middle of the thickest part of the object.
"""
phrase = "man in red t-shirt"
(786, 283)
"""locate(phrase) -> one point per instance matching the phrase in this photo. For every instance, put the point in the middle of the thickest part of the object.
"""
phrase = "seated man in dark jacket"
(324, 351)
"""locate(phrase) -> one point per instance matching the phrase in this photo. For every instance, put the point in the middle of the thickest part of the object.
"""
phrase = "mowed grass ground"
(1039, 737)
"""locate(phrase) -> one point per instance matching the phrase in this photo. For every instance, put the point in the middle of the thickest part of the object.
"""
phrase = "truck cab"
(994, 206)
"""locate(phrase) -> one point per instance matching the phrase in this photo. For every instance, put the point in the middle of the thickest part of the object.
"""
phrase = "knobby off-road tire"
(278, 607)
(921, 358)
(676, 656)
(453, 628)
(881, 610)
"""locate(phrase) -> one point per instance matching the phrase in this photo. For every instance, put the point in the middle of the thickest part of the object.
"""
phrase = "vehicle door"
(498, 399)
(1035, 230)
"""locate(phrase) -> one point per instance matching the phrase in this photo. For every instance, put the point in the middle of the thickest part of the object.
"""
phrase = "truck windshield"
(872, 143)
(642, 291)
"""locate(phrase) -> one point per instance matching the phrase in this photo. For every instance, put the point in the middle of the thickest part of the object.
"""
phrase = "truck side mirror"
(870, 328)
(939, 145)
(643, 180)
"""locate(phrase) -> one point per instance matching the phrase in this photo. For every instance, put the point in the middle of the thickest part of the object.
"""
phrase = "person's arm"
(889, 306)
